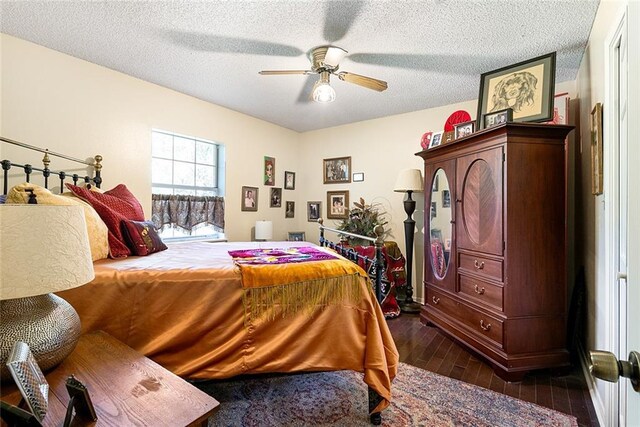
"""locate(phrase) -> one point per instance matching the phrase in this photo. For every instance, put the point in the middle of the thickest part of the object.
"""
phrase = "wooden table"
(126, 388)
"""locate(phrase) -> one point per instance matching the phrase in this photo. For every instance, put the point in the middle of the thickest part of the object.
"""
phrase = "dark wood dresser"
(496, 245)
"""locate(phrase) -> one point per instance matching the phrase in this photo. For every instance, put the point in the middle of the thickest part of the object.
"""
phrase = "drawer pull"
(479, 291)
(435, 300)
(479, 265)
(485, 327)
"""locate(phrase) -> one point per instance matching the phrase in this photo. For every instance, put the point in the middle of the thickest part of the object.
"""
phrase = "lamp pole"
(409, 306)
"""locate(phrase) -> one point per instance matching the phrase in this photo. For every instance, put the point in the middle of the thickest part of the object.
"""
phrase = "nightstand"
(126, 388)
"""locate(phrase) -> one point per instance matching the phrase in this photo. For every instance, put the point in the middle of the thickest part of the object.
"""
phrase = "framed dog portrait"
(336, 170)
(526, 87)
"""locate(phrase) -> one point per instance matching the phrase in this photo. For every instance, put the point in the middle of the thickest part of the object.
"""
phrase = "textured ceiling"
(431, 53)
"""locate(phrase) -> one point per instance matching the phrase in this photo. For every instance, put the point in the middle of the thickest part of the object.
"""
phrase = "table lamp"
(409, 180)
(264, 230)
(43, 249)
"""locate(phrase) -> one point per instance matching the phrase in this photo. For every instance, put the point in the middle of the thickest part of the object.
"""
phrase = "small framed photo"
(289, 180)
(313, 211)
(526, 87)
(29, 378)
(448, 137)
(434, 210)
(499, 117)
(446, 199)
(290, 209)
(269, 170)
(296, 236)
(464, 129)
(358, 176)
(337, 204)
(249, 198)
(275, 200)
(336, 170)
(596, 149)
(436, 139)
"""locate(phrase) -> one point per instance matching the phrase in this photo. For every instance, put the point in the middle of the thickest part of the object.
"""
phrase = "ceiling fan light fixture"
(322, 90)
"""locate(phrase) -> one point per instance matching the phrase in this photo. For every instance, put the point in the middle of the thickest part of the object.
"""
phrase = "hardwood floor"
(428, 348)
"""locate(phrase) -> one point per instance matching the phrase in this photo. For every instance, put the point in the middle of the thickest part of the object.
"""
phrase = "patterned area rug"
(420, 398)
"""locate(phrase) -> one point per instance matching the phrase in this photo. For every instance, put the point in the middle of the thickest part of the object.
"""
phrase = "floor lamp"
(409, 181)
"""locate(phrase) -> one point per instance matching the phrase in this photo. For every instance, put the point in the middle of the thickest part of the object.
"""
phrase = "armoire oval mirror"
(440, 224)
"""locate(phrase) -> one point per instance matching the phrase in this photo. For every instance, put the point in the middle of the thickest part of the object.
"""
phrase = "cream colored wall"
(71, 106)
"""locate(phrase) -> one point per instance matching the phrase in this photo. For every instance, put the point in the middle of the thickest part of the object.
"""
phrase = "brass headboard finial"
(320, 221)
(379, 231)
(46, 161)
(97, 165)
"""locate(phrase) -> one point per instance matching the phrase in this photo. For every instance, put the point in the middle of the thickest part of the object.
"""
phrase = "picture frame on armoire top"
(527, 87)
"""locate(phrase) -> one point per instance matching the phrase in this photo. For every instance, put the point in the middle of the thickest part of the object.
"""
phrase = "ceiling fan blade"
(338, 17)
(283, 72)
(213, 43)
(368, 82)
(334, 55)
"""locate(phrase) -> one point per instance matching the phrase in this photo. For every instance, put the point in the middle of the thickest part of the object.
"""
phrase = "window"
(191, 170)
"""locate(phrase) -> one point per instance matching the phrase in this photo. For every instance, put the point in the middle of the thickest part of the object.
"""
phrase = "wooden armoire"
(495, 274)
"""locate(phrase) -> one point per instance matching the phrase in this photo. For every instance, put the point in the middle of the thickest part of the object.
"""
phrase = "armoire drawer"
(481, 324)
(481, 292)
(488, 267)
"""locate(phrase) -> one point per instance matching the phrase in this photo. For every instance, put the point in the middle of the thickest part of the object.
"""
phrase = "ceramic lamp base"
(47, 323)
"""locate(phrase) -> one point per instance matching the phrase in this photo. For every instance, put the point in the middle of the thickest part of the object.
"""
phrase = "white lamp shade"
(409, 180)
(264, 230)
(43, 249)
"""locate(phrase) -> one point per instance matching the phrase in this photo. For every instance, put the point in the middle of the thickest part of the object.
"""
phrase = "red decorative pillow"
(113, 206)
(142, 237)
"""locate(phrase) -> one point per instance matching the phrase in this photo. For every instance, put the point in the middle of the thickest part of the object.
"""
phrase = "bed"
(189, 308)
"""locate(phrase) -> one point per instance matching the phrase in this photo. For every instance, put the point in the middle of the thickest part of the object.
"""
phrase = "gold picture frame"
(338, 204)
(336, 170)
(596, 149)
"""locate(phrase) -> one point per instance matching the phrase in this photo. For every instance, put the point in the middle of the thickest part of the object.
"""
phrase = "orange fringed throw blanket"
(287, 288)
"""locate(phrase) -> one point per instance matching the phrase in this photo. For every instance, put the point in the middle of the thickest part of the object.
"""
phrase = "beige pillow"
(96, 228)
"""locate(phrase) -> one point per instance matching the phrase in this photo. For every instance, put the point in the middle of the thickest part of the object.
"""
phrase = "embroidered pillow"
(113, 206)
(96, 229)
(142, 237)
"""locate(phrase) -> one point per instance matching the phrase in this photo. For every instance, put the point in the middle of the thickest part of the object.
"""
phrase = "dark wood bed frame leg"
(374, 400)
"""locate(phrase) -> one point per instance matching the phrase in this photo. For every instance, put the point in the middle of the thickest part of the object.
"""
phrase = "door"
(630, 128)
(479, 201)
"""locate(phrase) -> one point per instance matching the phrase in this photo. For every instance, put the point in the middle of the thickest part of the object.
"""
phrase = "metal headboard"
(29, 169)
(354, 256)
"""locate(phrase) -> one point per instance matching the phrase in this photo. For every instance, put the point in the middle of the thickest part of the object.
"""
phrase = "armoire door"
(479, 178)
(440, 246)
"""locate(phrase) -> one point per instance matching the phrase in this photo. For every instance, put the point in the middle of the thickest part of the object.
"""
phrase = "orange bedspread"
(183, 308)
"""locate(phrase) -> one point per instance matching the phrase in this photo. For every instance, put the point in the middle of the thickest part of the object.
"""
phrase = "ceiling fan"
(325, 60)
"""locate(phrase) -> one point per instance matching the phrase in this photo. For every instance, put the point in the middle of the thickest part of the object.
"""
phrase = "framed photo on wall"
(269, 170)
(249, 198)
(596, 149)
(313, 211)
(526, 87)
(289, 180)
(337, 204)
(290, 209)
(275, 200)
(336, 170)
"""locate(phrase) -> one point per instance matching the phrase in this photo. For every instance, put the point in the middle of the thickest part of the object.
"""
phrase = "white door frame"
(615, 395)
